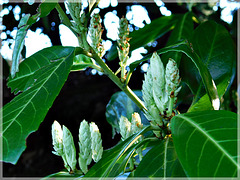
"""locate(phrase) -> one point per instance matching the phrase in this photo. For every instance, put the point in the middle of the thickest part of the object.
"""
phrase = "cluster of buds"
(95, 34)
(128, 128)
(123, 45)
(75, 8)
(160, 88)
(64, 146)
(90, 145)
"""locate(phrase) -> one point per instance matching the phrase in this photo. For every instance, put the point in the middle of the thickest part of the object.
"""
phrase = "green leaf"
(115, 159)
(214, 45)
(24, 24)
(121, 105)
(64, 174)
(185, 47)
(19, 42)
(149, 33)
(81, 62)
(183, 30)
(26, 111)
(32, 64)
(160, 161)
(206, 143)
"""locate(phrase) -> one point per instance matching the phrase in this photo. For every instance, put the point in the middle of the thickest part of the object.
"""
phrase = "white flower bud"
(57, 138)
(125, 127)
(136, 123)
(85, 154)
(157, 71)
(69, 148)
(96, 144)
(152, 113)
(82, 164)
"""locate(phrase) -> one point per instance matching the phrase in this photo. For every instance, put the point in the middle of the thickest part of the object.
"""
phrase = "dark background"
(84, 96)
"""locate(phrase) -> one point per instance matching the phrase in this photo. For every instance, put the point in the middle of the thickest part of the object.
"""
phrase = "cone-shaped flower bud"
(125, 127)
(157, 71)
(96, 144)
(95, 33)
(57, 138)
(85, 154)
(152, 113)
(172, 79)
(69, 148)
(123, 45)
(136, 123)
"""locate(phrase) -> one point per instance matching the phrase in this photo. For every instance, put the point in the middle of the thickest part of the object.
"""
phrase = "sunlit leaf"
(26, 111)
(206, 143)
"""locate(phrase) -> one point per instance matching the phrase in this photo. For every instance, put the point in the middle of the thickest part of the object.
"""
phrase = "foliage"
(201, 142)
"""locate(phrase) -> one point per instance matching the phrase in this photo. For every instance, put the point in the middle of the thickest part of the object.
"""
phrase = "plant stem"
(117, 81)
(170, 107)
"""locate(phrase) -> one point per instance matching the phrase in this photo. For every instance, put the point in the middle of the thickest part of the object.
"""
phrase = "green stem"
(131, 162)
(170, 107)
(117, 81)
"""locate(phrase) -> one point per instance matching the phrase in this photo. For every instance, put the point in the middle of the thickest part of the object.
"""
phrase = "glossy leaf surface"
(32, 64)
(26, 111)
(149, 33)
(121, 105)
(214, 45)
(160, 161)
(206, 143)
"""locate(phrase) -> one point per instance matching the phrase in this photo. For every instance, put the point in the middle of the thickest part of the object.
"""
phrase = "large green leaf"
(214, 45)
(185, 47)
(160, 161)
(114, 160)
(206, 143)
(121, 105)
(32, 64)
(26, 111)
(149, 33)
(183, 30)
(25, 23)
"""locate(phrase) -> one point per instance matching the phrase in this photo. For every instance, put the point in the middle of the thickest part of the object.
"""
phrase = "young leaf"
(206, 143)
(26, 111)
(160, 161)
(81, 62)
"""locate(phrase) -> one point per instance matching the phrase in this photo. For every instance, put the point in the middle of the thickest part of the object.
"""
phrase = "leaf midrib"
(210, 138)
